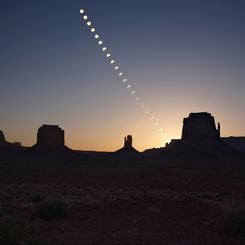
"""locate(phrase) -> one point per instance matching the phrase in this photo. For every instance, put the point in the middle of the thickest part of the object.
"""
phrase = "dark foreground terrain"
(118, 200)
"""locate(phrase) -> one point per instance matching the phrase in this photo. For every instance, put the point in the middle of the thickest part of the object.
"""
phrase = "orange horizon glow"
(151, 138)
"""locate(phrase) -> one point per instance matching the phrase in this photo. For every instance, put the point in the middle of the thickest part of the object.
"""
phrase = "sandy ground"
(112, 200)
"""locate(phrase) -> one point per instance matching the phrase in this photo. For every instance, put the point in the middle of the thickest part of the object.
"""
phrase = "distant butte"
(128, 146)
(50, 138)
(200, 139)
(199, 127)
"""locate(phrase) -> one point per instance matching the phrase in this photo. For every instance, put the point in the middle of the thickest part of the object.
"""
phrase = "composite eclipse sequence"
(121, 75)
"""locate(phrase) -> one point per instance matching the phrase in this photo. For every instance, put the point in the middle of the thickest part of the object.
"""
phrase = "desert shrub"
(50, 209)
(14, 231)
(235, 223)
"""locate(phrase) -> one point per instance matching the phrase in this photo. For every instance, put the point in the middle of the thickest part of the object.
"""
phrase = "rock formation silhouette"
(128, 142)
(128, 146)
(199, 127)
(200, 139)
(2, 138)
(7, 146)
(50, 137)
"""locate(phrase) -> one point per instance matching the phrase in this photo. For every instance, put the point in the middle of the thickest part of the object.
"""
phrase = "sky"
(179, 56)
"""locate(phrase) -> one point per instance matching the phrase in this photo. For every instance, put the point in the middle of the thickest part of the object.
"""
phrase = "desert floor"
(124, 200)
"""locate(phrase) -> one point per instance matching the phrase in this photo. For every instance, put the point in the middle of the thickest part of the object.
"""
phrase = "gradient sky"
(182, 55)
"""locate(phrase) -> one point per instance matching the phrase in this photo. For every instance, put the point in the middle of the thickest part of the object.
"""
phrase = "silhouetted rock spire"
(218, 130)
(128, 146)
(128, 141)
(2, 138)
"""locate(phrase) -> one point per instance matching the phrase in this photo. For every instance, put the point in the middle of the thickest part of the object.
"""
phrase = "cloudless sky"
(180, 56)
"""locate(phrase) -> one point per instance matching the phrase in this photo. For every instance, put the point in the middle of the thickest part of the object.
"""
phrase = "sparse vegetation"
(235, 223)
(50, 209)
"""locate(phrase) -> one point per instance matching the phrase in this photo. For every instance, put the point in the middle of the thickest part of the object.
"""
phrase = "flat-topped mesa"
(50, 137)
(200, 126)
(200, 139)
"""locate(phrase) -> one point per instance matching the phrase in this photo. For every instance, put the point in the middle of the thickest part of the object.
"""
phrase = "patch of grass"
(235, 223)
(14, 231)
(50, 209)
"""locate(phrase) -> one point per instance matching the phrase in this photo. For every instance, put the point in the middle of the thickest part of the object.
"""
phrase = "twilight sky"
(180, 56)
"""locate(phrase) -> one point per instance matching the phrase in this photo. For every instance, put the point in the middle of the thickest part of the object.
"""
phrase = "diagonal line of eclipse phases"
(120, 74)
